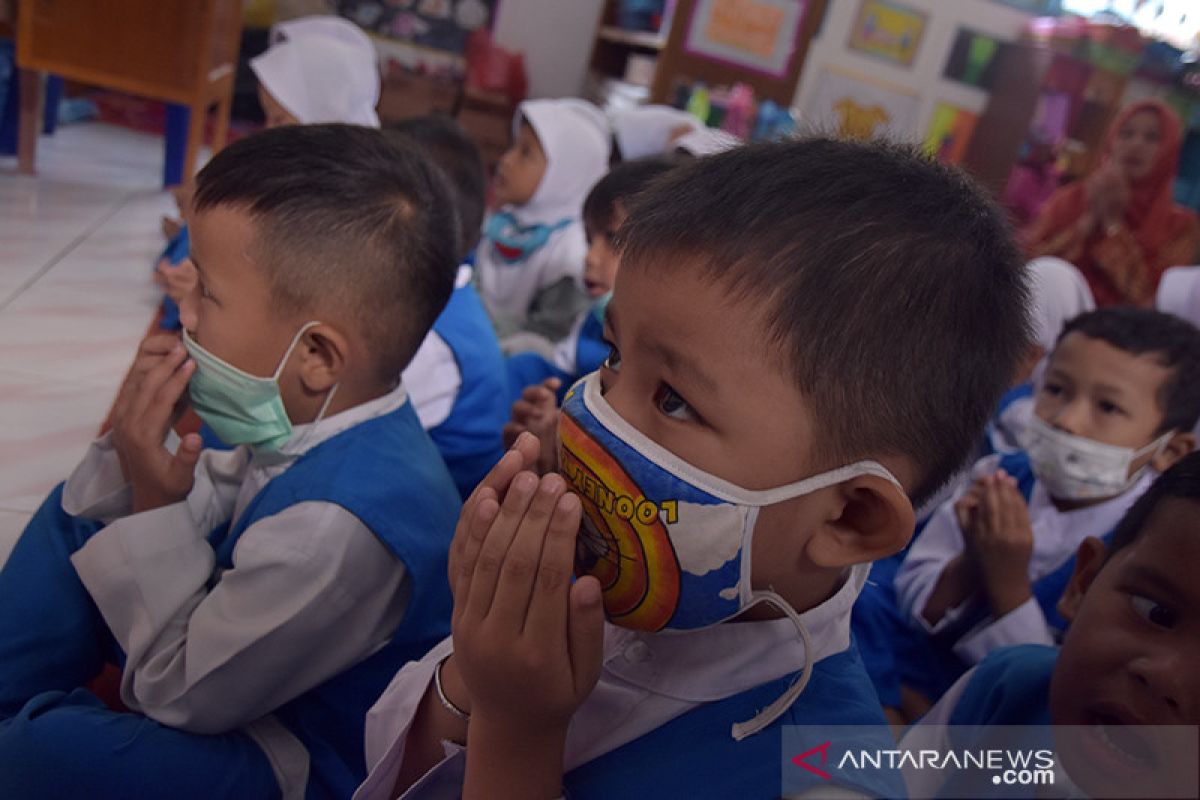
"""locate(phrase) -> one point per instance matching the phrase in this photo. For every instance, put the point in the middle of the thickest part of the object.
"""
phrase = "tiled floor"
(77, 245)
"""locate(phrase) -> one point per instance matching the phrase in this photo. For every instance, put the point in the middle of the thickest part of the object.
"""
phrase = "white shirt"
(647, 680)
(1056, 537)
(433, 377)
(212, 651)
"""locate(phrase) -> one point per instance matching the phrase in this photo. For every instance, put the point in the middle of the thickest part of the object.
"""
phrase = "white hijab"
(322, 69)
(706, 142)
(576, 144)
(646, 130)
(1060, 293)
(1179, 293)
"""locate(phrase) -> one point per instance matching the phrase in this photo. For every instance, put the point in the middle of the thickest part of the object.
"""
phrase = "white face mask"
(670, 543)
(1074, 468)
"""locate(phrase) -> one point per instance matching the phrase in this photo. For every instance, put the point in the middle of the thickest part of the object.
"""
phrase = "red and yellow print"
(624, 541)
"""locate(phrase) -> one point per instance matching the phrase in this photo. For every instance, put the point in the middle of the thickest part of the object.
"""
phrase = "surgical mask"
(670, 543)
(242, 408)
(1074, 468)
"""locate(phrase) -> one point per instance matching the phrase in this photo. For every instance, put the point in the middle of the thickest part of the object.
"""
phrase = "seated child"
(318, 69)
(1117, 404)
(1127, 659)
(753, 441)
(584, 350)
(258, 599)
(457, 381)
(529, 265)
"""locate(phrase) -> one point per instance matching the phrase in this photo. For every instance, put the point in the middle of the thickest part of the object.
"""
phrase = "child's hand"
(178, 280)
(527, 642)
(151, 399)
(537, 412)
(966, 506)
(1002, 541)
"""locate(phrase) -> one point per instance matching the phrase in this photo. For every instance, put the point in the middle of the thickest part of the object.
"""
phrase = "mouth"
(593, 288)
(1116, 741)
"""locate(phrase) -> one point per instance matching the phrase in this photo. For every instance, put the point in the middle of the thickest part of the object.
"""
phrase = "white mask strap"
(287, 353)
(762, 719)
(312, 426)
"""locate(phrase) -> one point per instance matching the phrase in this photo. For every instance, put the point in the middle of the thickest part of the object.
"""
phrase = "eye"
(1156, 614)
(613, 361)
(1052, 389)
(670, 403)
(1108, 407)
(204, 293)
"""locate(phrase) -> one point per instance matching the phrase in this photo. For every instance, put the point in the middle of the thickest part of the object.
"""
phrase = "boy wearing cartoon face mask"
(1116, 406)
(262, 597)
(755, 437)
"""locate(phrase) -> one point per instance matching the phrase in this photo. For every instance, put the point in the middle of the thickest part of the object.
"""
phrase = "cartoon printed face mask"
(669, 543)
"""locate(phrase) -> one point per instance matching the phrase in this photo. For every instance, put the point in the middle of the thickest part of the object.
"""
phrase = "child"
(584, 349)
(529, 265)
(1117, 403)
(258, 599)
(319, 69)
(457, 381)
(1128, 659)
(765, 366)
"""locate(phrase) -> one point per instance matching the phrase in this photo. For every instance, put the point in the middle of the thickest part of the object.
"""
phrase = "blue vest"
(469, 438)
(1009, 687)
(694, 756)
(590, 348)
(528, 369)
(387, 473)
(176, 250)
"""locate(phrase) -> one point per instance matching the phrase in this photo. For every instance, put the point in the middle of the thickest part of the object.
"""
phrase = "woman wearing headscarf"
(1120, 225)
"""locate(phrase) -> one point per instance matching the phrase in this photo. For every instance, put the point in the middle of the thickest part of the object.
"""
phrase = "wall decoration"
(860, 108)
(758, 35)
(973, 59)
(888, 31)
(949, 132)
(437, 24)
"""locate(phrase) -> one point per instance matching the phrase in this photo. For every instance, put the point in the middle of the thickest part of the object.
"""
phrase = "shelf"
(650, 41)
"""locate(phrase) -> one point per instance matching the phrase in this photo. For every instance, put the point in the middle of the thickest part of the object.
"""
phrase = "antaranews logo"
(1010, 767)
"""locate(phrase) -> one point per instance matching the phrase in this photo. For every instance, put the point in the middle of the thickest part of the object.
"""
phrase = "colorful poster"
(888, 31)
(437, 24)
(950, 131)
(758, 35)
(856, 108)
(973, 59)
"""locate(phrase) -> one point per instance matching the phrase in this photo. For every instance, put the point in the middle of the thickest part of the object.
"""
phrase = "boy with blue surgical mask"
(754, 439)
(1116, 406)
(258, 599)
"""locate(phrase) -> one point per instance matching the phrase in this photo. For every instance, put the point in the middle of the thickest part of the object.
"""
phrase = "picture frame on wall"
(757, 35)
(974, 59)
(949, 132)
(888, 31)
(854, 106)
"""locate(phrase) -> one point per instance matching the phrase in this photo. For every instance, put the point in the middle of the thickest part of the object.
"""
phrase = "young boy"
(1117, 404)
(739, 456)
(457, 380)
(257, 599)
(1128, 659)
(529, 265)
(584, 349)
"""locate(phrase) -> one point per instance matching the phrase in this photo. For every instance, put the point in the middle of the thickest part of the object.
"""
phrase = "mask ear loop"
(762, 719)
(312, 426)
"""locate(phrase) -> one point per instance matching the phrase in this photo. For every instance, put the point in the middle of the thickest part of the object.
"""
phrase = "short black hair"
(346, 224)
(1181, 481)
(619, 186)
(1173, 341)
(445, 141)
(894, 294)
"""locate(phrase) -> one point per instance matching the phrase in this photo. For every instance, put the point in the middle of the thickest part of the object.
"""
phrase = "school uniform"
(530, 261)
(658, 722)
(458, 385)
(581, 353)
(968, 632)
(256, 620)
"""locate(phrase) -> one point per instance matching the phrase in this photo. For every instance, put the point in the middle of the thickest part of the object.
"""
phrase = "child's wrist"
(452, 692)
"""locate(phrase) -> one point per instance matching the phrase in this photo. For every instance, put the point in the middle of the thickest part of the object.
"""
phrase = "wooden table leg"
(30, 119)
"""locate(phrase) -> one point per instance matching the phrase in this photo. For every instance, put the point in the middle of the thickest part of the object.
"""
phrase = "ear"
(1177, 447)
(1089, 558)
(869, 519)
(322, 351)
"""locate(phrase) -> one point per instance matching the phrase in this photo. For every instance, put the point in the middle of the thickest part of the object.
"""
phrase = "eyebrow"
(1154, 576)
(675, 361)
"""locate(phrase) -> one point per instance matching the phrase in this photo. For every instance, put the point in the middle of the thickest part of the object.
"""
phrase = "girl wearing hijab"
(1120, 225)
(529, 264)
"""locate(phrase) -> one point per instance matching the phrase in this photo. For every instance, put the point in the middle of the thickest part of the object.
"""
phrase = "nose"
(1070, 417)
(593, 253)
(1162, 674)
